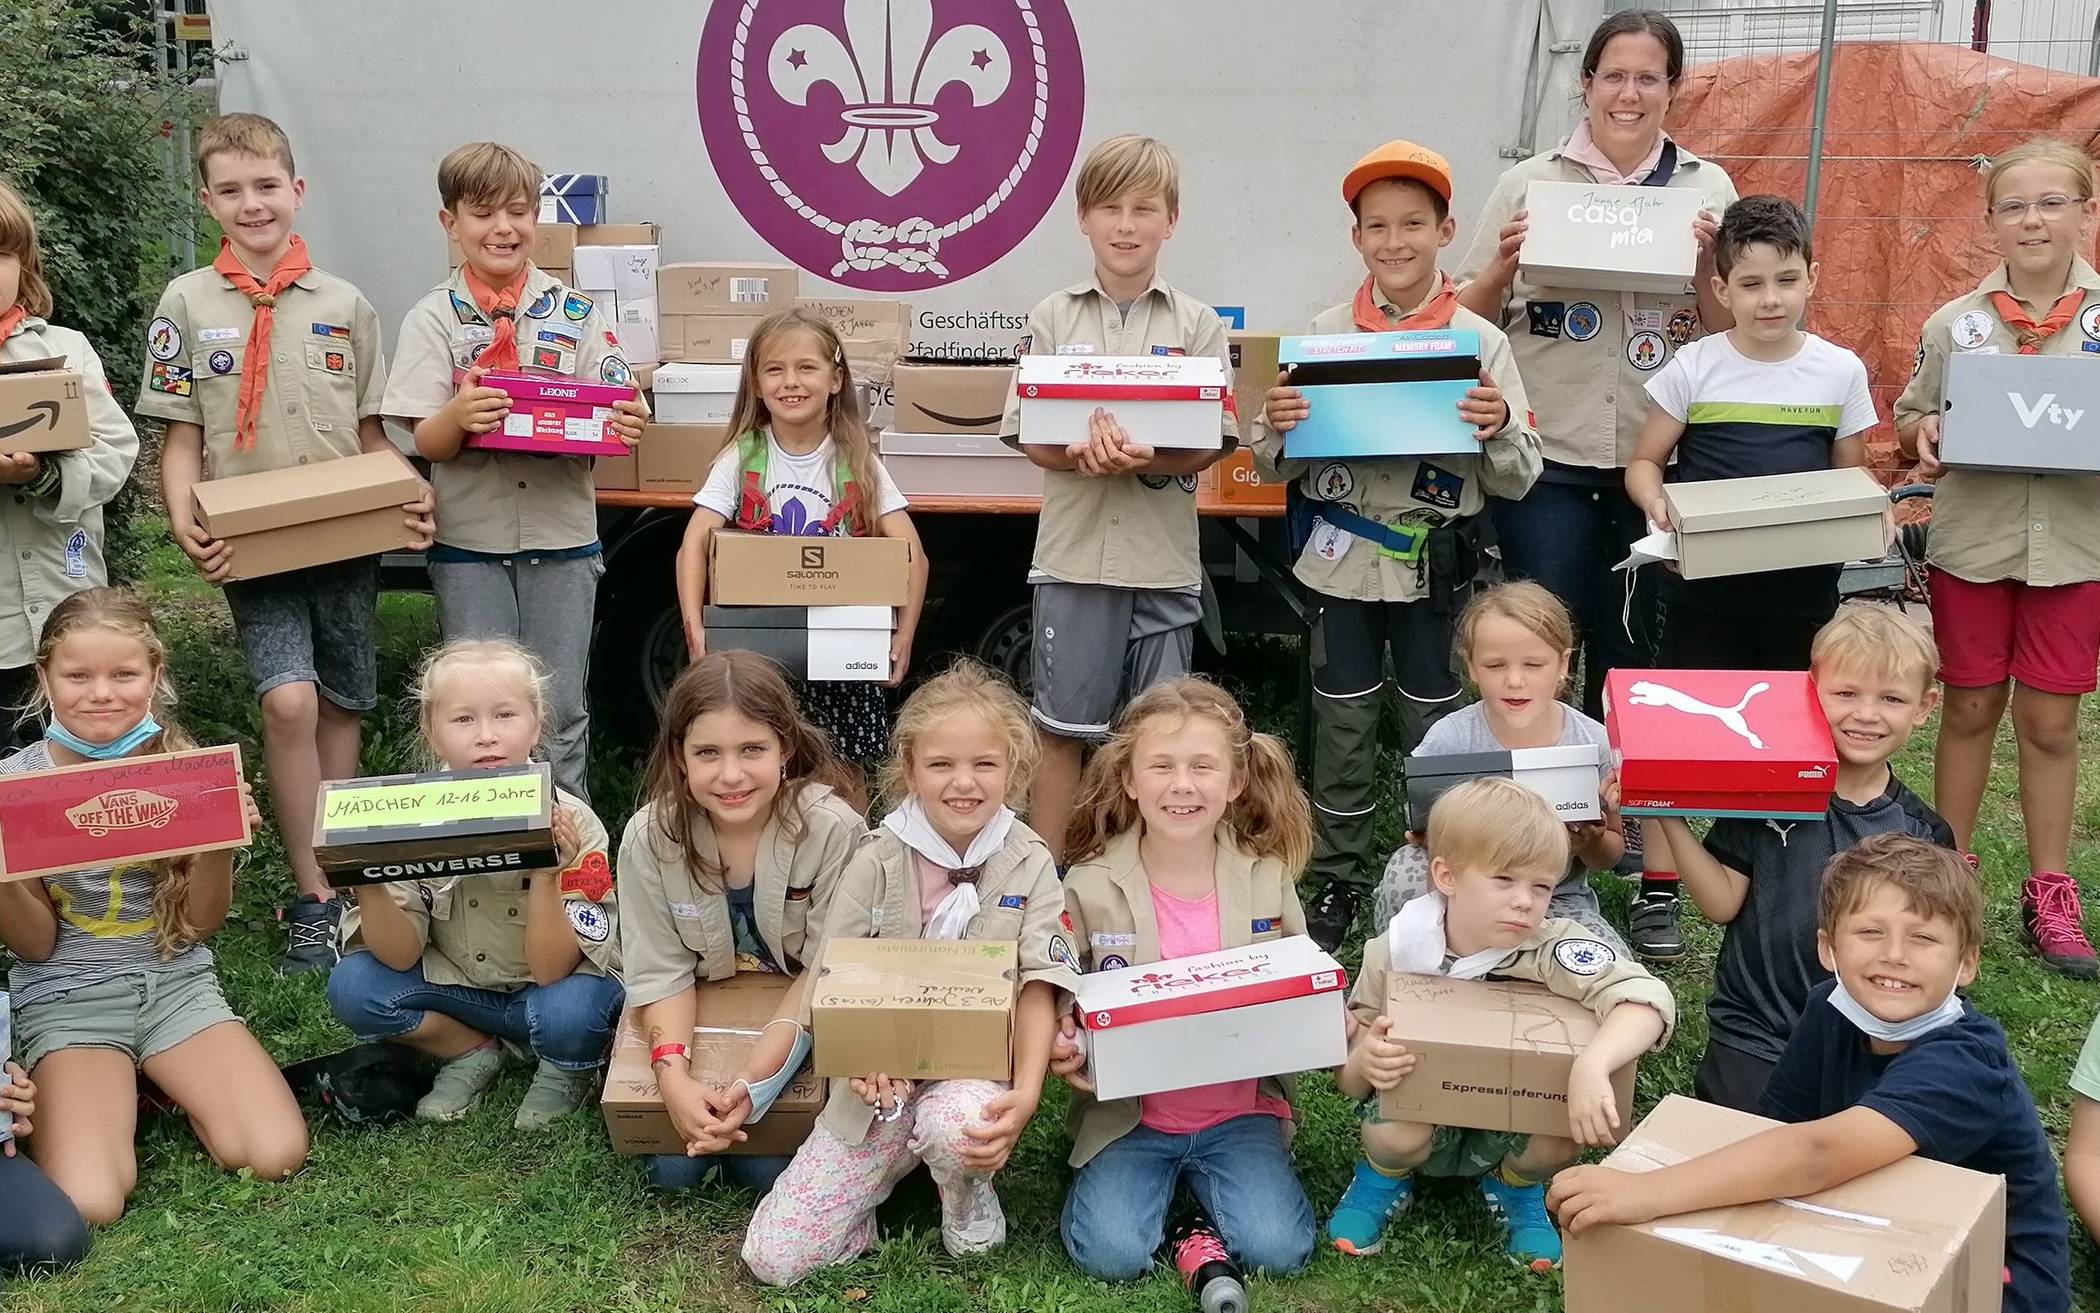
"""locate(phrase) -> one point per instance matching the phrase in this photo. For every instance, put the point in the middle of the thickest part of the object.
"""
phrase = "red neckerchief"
(12, 320)
(2031, 334)
(500, 308)
(255, 370)
(1436, 312)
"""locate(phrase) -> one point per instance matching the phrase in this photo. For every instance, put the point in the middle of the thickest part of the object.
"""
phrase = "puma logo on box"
(1647, 693)
(2030, 415)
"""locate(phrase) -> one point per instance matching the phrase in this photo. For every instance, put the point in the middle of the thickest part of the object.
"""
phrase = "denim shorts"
(314, 626)
(141, 1014)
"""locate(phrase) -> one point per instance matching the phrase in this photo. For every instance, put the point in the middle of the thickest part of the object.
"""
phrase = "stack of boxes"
(943, 438)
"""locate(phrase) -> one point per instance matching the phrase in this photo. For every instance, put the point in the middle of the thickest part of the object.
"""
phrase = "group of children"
(1834, 1006)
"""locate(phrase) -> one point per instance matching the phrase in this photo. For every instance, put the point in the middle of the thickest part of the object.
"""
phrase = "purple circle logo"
(891, 145)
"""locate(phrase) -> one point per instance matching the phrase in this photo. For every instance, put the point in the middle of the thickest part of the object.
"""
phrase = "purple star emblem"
(797, 58)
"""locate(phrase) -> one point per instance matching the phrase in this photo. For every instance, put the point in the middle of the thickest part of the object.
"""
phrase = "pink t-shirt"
(1188, 927)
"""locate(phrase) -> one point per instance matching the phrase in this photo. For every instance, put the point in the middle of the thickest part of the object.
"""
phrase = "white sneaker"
(972, 1222)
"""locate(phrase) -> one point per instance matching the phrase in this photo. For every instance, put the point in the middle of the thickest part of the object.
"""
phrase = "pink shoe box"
(552, 416)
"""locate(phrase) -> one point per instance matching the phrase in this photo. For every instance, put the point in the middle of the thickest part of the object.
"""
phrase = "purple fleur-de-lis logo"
(792, 518)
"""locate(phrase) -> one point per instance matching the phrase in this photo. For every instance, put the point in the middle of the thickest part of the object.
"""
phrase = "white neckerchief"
(1415, 941)
(1893, 1032)
(910, 825)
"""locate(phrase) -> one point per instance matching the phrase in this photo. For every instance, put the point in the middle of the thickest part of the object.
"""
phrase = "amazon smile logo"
(48, 418)
(960, 421)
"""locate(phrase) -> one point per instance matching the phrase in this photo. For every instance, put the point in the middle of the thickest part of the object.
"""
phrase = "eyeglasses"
(2051, 207)
(1616, 79)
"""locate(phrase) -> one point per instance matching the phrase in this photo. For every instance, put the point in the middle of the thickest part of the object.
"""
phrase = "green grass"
(475, 1217)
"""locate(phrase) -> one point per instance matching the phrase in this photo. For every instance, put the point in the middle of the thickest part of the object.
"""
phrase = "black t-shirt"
(1768, 953)
(1959, 1097)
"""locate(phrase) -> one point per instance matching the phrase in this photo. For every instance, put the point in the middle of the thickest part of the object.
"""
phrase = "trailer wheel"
(1006, 643)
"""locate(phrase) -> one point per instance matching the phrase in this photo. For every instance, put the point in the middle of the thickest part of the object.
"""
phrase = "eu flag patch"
(1015, 900)
(1264, 924)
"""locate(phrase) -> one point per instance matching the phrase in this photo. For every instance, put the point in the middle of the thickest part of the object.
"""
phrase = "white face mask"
(1893, 1032)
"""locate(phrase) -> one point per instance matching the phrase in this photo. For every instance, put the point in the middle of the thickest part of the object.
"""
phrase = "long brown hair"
(843, 418)
(752, 687)
(18, 238)
(1270, 818)
(120, 611)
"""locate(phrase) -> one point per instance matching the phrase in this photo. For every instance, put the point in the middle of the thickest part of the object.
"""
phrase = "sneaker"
(1528, 1234)
(1206, 1267)
(1372, 1200)
(1651, 928)
(460, 1084)
(2050, 900)
(972, 1222)
(1331, 914)
(311, 924)
(554, 1092)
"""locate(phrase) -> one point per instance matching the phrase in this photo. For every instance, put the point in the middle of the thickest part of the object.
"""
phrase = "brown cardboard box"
(874, 332)
(732, 1015)
(1917, 1236)
(942, 397)
(676, 457)
(42, 409)
(619, 234)
(616, 473)
(763, 569)
(1254, 370)
(726, 289)
(553, 248)
(1235, 482)
(1772, 522)
(705, 339)
(304, 515)
(1491, 1055)
(926, 1009)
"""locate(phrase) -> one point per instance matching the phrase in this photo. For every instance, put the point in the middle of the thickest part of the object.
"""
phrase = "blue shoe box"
(1382, 394)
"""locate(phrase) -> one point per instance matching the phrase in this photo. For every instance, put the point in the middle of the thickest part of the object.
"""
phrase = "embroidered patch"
(1547, 318)
(1113, 962)
(1645, 350)
(588, 920)
(2089, 320)
(612, 369)
(1584, 321)
(559, 338)
(1327, 542)
(323, 356)
(1169, 351)
(1970, 330)
(1645, 321)
(1681, 326)
(163, 339)
(1060, 952)
(1112, 939)
(2089, 346)
(1583, 957)
(611, 341)
(576, 306)
(1334, 482)
(542, 306)
(1065, 919)
(332, 330)
(76, 554)
(1438, 487)
(218, 335)
(547, 357)
(1076, 349)
(1262, 925)
(478, 333)
(1015, 900)
(171, 379)
(1021, 347)
(463, 310)
(590, 878)
(685, 911)
(1917, 362)
(221, 362)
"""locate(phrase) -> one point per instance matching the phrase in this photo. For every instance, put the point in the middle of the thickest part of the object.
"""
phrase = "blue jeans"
(569, 1023)
(1240, 1172)
(755, 1172)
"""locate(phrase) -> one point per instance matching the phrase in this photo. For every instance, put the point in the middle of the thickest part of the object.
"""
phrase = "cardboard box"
(726, 289)
(958, 465)
(1263, 1010)
(555, 416)
(1778, 521)
(702, 339)
(809, 642)
(1235, 482)
(950, 398)
(1382, 394)
(134, 809)
(618, 234)
(1490, 1055)
(331, 510)
(677, 457)
(41, 407)
(1625, 239)
(617, 473)
(732, 1015)
(573, 197)
(1165, 402)
(2029, 414)
(553, 249)
(1568, 778)
(924, 1009)
(695, 393)
(444, 824)
(1917, 1236)
(623, 279)
(1255, 365)
(874, 333)
(767, 569)
(1719, 743)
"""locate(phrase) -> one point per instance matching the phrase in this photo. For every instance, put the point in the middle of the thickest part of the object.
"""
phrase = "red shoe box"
(1719, 743)
(135, 809)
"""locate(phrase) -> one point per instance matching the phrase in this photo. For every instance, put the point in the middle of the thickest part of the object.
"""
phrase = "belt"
(1403, 542)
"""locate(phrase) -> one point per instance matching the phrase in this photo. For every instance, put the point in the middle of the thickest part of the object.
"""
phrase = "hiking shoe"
(972, 1222)
(1651, 928)
(460, 1084)
(1528, 1234)
(1330, 916)
(1372, 1200)
(311, 924)
(554, 1092)
(1975, 862)
(2050, 900)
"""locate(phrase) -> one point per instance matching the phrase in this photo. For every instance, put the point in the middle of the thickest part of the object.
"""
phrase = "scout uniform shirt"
(473, 927)
(52, 540)
(1587, 354)
(878, 898)
(1132, 530)
(675, 933)
(1402, 489)
(1987, 525)
(499, 502)
(1108, 902)
(324, 375)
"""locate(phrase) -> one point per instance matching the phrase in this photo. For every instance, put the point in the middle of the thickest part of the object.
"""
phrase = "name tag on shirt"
(1076, 349)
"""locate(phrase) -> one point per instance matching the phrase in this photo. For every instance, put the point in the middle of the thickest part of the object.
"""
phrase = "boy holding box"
(517, 553)
(259, 361)
(1385, 528)
(1118, 583)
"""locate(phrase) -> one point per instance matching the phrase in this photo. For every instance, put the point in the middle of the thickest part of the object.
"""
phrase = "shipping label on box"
(873, 333)
(302, 515)
(1164, 402)
(135, 809)
(957, 465)
(730, 1017)
(763, 569)
(554, 416)
(1568, 778)
(950, 398)
(724, 289)
(387, 828)
(2028, 414)
(1263, 1010)
(1626, 239)
(677, 457)
(689, 393)
(1489, 1055)
(42, 409)
(1917, 1236)
(1777, 522)
(850, 643)
(1382, 394)
(924, 1009)
(1720, 743)
(573, 197)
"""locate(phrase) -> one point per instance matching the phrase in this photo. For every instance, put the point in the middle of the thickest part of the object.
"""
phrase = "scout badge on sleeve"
(442, 825)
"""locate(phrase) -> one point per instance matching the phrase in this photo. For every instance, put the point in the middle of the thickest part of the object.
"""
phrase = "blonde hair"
(486, 173)
(842, 413)
(243, 134)
(1496, 825)
(1271, 817)
(1934, 881)
(18, 238)
(963, 689)
(1129, 165)
(491, 658)
(121, 612)
(2057, 154)
(1523, 603)
(1881, 640)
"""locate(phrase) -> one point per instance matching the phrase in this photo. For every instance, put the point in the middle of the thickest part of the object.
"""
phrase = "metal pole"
(1822, 112)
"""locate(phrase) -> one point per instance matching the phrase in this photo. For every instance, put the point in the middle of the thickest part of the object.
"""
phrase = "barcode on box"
(748, 291)
(736, 347)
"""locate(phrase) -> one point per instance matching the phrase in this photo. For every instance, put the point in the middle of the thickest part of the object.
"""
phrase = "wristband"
(665, 1052)
(47, 478)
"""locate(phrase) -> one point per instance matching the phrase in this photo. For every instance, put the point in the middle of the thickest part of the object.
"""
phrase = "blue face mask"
(121, 746)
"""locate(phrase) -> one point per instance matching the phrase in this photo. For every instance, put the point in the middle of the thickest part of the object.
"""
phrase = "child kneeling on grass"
(1496, 851)
(1887, 1061)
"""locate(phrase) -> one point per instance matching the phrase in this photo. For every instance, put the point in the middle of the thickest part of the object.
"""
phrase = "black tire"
(1005, 641)
(640, 644)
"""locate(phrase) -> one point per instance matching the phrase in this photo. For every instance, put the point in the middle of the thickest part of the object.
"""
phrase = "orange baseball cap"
(1399, 159)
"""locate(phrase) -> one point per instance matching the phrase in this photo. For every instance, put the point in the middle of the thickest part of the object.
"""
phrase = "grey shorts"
(314, 626)
(1097, 646)
(141, 1014)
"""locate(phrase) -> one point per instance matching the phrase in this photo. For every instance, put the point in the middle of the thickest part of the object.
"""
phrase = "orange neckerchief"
(12, 320)
(255, 370)
(500, 308)
(2031, 334)
(1436, 312)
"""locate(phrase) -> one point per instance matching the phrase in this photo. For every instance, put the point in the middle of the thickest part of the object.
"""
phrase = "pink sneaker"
(2050, 902)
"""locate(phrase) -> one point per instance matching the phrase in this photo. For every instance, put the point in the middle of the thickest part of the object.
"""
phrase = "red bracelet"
(664, 1051)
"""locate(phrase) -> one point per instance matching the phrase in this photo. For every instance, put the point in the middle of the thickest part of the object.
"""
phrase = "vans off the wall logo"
(891, 145)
